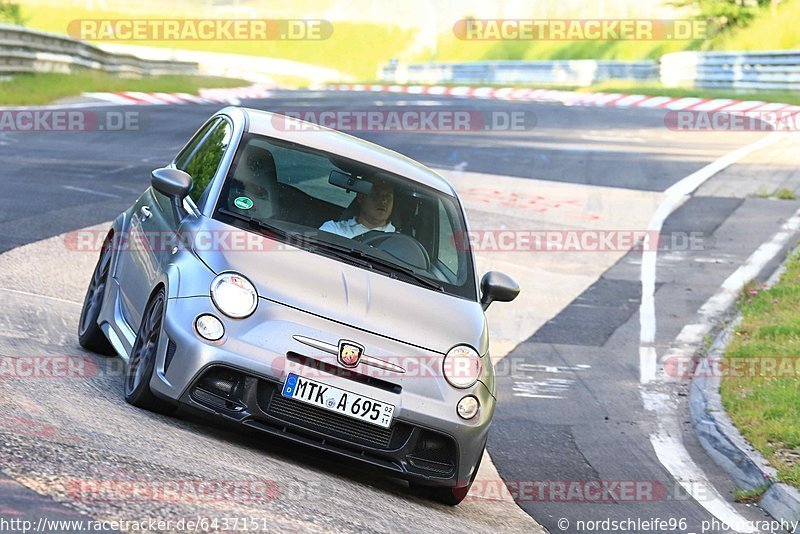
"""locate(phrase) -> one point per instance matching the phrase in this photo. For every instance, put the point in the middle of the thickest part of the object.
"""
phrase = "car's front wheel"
(89, 334)
(450, 495)
(142, 361)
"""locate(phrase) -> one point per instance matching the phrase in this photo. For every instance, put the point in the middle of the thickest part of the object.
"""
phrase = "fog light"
(468, 407)
(209, 327)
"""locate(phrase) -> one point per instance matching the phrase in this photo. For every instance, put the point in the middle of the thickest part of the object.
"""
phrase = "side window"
(448, 254)
(202, 160)
(183, 158)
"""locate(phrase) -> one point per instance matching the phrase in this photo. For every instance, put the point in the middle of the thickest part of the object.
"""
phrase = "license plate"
(338, 400)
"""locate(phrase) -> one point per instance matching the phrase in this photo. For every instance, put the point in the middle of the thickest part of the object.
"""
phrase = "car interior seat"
(256, 178)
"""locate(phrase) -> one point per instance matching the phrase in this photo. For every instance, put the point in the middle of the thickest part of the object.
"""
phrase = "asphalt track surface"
(593, 428)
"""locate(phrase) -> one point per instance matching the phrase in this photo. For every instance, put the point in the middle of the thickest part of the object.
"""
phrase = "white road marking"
(693, 334)
(676, 195)
(733, 285)
(667, 441)
(675, 458)
(37, 295)
(647, 362)
(525, 385)
(89, 191)
(608, 139)
(710, 260)
(128, 189)
(534, 367)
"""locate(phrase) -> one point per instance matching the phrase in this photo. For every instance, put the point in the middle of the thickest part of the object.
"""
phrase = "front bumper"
(239, 379)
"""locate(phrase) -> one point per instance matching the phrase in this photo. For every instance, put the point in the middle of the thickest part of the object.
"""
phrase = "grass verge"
(773, 28)
(44, 88)
(356, 48)
(749, 496)
(761, 388)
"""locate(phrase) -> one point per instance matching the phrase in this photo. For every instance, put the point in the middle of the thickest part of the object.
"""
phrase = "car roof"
(344, 145)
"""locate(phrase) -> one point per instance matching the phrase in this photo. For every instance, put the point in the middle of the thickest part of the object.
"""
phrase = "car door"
(154, 222)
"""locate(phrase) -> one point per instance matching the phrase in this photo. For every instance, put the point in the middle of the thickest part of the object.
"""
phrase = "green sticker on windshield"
(243, 203)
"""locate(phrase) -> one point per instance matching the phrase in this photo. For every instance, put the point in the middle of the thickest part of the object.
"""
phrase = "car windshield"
(349, 211)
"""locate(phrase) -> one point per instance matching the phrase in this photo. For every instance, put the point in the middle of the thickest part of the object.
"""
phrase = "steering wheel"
(401, 246)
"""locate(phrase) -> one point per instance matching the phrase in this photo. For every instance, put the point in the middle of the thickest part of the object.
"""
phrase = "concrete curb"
(725, 444)
(698, 105)
(230, 95)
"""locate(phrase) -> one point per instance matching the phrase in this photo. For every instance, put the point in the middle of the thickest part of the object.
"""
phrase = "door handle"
(145, 213)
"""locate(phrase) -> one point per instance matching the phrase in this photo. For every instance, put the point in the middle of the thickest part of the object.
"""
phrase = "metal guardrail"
(24, 50)
(739, 70)
(582, 72)
(734, 70)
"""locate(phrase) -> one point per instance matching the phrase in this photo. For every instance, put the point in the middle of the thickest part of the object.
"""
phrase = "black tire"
(142, 361)
(449, 495)
(89, 334)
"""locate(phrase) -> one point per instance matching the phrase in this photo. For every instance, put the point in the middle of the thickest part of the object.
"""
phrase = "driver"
(375, 209)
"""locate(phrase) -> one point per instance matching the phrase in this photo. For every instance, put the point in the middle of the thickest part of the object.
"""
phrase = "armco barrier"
(734, 70)
(25, 50)
(581, 72)
(739, 70)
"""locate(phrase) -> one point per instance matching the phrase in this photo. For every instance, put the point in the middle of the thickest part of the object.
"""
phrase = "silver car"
(310, 285)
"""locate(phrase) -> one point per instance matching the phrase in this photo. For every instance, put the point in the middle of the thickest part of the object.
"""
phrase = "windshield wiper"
(254, 222)
(296, 237)
(406, 271)
(392, 267)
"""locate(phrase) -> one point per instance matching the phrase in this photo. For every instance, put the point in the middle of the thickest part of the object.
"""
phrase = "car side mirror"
(497, 286)
(174, 183)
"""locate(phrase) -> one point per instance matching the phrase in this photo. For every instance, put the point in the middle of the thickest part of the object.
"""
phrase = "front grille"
(220, 388)
(329, 423)
(428, 465)
(257, 402)
(434, 452)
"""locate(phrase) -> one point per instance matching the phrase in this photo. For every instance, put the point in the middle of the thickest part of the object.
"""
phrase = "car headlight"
(462, 366)
(209, 327)
(234, 295)
(467, 408)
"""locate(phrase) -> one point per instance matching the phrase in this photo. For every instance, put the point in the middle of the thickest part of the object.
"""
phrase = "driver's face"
(376, 207)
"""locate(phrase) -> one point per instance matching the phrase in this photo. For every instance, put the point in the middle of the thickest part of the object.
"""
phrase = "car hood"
(347, 294)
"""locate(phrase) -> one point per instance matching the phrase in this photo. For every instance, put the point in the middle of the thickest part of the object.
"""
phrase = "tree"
(11, 13)
(726, 14)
